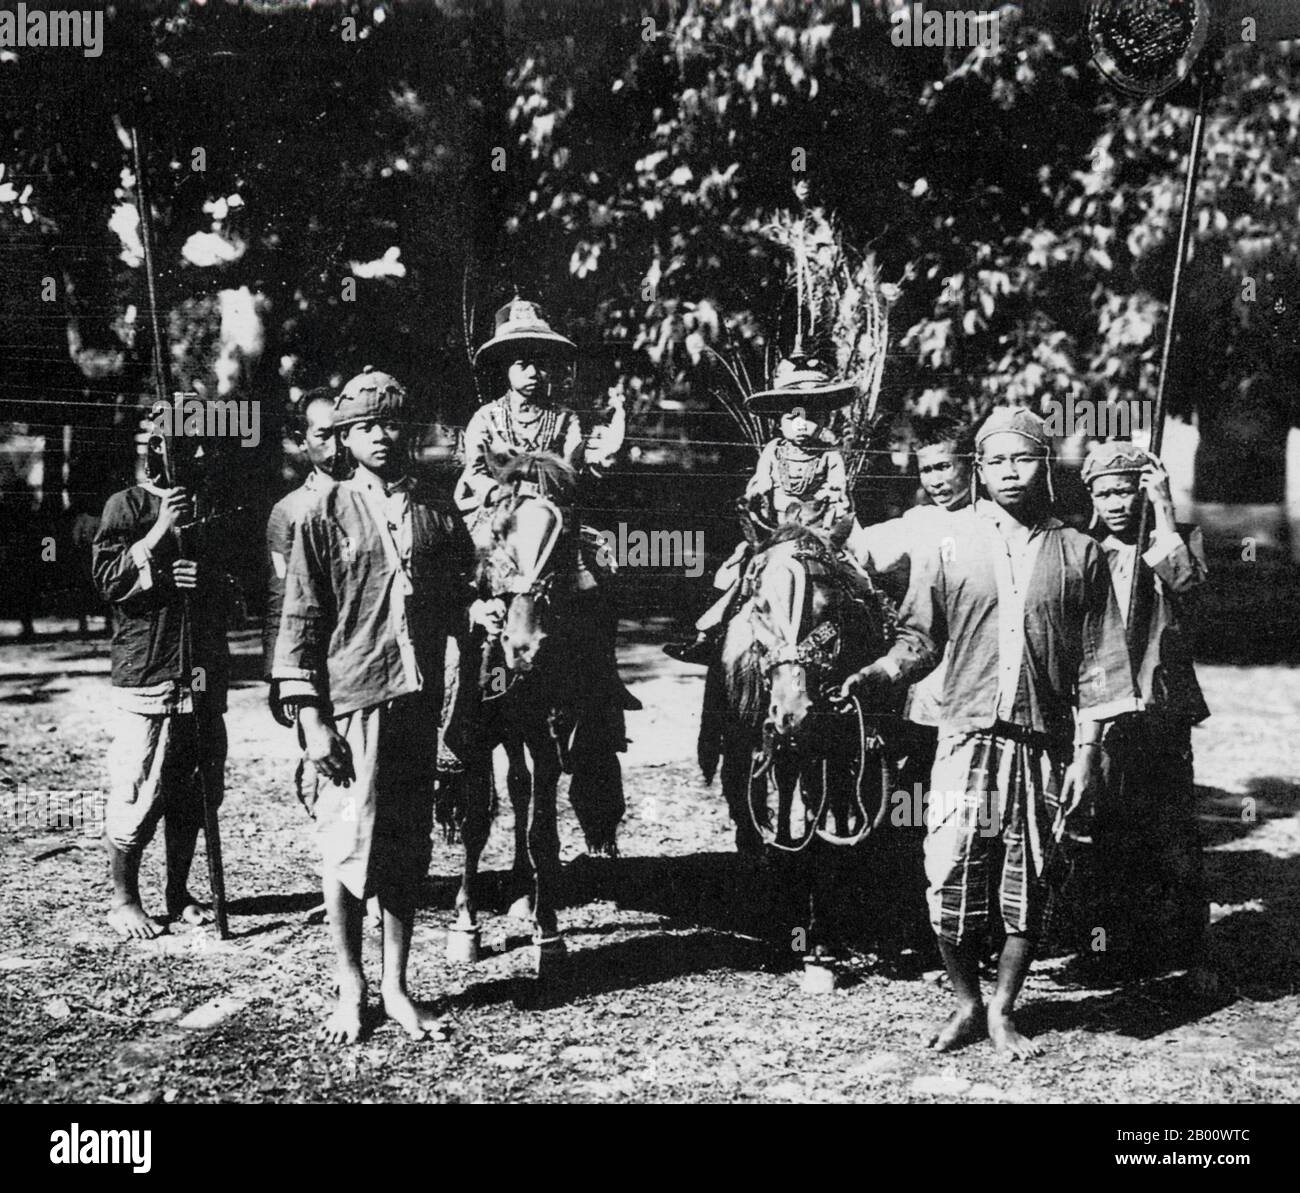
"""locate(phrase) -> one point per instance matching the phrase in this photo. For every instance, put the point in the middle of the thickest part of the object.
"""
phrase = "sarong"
(993, 800)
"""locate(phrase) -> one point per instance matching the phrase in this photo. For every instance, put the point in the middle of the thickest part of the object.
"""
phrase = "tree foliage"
(621, 161)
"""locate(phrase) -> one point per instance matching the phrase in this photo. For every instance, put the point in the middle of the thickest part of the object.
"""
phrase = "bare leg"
(418, 1020)
(967, 1023)
(126, 915)
(1013, 966)
(197, 753)
(345, 912)
(181, 826)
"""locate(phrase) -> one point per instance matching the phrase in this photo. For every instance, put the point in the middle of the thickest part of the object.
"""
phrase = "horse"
(535, 694)
(805, 621)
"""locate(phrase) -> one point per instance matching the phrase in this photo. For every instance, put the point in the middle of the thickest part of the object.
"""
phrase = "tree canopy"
(336, 185)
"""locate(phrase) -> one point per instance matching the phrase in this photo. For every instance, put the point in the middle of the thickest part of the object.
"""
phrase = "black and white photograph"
(651, 551)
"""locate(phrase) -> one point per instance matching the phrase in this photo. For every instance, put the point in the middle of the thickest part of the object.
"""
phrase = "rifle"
(211, 826)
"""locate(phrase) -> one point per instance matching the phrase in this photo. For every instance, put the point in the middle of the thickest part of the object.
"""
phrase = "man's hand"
(325, 747)
(491, 615)
(1083, 780)
(185, 574)
(870, 680)
(177, 510)
(1155, 483)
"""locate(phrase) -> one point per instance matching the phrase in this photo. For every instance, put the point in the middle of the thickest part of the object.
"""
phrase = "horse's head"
(520, 563)
(811, 623)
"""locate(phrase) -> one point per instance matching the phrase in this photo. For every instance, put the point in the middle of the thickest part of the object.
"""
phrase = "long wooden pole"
(1136, 632)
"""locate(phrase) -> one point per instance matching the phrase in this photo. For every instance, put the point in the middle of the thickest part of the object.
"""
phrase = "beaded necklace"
(536, 433)
(798, 471)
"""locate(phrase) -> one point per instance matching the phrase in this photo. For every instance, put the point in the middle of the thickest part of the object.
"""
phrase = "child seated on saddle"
(800, 477)
(527, 421)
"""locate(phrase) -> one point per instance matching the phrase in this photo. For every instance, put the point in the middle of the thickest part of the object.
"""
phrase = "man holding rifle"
(170, 669)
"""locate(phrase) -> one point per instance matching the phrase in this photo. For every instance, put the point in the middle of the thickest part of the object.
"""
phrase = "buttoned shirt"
(1030, 621)
(377, 580)
(390, 505)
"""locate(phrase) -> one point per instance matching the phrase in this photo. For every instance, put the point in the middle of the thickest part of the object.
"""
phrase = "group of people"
(1024, 694)
(1045, 733)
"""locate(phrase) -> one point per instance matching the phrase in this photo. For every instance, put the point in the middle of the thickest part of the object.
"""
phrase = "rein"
(817, 652)
(868, 742)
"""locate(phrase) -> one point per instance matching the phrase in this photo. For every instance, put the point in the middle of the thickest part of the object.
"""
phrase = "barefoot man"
(1150, 875)
(170, 673)
(1025, 607)
(376, 582)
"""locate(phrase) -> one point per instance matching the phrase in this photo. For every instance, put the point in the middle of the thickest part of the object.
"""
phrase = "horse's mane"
(552, 474)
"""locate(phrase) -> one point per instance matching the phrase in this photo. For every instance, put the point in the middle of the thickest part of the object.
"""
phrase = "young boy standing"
(170, 675)
(376, 582)
(1149, 851)
(1025, 607)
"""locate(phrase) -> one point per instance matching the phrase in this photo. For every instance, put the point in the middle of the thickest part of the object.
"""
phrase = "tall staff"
(1136, 631)
(162, 390)
(1145, 48)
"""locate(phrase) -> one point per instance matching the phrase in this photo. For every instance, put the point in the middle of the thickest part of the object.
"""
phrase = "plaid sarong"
(993, 800)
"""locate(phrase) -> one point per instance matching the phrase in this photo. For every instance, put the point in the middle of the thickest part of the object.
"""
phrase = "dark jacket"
(150, 642)
(1171, 572)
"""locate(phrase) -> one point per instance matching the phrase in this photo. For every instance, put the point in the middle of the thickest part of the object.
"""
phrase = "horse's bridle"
(817, 651)
(539, 580)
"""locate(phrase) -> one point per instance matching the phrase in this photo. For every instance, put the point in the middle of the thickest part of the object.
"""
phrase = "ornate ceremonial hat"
(520, 325)
(1016, 420)
(1118, 457)
(802, 380)
(368, 395)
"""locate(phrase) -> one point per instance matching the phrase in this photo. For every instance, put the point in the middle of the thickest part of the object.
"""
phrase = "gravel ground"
(678, 985)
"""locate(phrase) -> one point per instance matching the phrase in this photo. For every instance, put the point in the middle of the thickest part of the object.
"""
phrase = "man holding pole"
(170, 668)
(1149, 854)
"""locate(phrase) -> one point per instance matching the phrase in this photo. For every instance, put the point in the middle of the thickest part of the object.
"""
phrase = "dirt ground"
(677, 987)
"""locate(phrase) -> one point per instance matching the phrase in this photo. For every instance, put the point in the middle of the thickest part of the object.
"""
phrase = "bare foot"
(964, 1026)
(1007, 1041)
(344, 1024)
(418, 1020)
(130, 922)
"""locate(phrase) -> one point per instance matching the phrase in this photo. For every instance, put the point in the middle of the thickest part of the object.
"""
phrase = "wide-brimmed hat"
(370, 394)
(521, 326)
(802, 380)
(1118, 457)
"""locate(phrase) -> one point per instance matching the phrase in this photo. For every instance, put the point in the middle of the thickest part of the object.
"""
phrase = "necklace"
(798, 471)
(534, 429)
